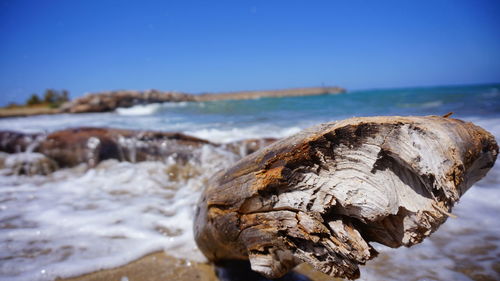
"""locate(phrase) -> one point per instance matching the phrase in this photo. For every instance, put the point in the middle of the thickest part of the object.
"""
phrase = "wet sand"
(153, 267)
(159, 266)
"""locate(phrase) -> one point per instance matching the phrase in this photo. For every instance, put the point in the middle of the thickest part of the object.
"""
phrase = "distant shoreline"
(25, 111)
(111, 100)
(294, 92)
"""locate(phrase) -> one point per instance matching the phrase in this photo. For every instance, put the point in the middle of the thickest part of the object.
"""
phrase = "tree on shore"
(51, 97)
(33, 100)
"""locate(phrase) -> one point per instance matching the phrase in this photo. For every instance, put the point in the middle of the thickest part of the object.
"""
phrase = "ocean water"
(83, 219)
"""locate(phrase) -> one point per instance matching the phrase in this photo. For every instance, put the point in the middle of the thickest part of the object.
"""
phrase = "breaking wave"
(81, 220)
(236, 134)
(146, 109)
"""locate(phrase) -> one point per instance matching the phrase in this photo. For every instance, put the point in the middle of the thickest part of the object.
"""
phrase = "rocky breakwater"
(245, 95)
(68, 148)
(109, 101)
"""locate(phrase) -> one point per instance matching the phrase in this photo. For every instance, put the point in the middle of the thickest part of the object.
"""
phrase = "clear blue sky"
(198, 46)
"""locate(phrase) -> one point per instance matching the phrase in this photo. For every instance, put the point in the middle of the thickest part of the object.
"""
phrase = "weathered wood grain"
(322, 195)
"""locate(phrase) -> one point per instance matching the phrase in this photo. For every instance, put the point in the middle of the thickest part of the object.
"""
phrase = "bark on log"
(322, 195)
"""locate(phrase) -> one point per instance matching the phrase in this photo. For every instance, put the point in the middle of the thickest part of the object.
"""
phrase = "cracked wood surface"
(322, 195)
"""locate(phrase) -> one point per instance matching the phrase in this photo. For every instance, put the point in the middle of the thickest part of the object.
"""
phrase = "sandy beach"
(159, 266)
(153, 267)
(26, 111)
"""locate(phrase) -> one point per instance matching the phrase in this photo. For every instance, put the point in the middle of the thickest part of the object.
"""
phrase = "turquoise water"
(464, 101)
(223, 121)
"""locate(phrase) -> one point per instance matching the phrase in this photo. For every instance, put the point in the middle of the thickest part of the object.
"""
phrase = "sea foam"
(146, 109)
(236, 134)
(82, 220)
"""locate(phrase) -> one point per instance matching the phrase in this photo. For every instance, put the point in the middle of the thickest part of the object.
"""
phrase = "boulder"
(29, 163)
(91, 145)
(14, 142)
(109, 101)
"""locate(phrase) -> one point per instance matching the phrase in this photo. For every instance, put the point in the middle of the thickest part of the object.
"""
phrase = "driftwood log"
(322, 195)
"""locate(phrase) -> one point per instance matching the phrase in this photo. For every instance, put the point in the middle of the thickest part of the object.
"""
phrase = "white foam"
(78, 221)
(49, 123)
(28, 163)
(235, 134)
(146, 109)
(142, 118)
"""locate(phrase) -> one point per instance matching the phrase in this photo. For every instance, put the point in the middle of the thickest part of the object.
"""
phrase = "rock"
(91, 145)
(29, 163)
(109, 101)
(14, 142)
(3, 156)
